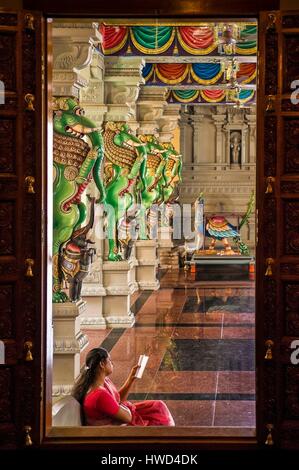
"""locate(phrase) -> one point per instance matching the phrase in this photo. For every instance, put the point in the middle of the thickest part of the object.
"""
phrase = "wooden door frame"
(88, 437)
(144, 435)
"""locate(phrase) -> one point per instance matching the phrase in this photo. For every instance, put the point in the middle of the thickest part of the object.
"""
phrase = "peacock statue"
(218, 228)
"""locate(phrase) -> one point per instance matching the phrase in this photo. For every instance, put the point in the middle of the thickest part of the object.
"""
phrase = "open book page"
(142, 363)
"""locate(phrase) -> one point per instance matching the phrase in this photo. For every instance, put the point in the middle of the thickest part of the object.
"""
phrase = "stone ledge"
(68, 309)
(122, 290)
(70, 345)
(149, 262)
(120, 322)
(62, 390)
(96, 323)
(146, 243)
(144, 285)
(117, 265)
(89, 290)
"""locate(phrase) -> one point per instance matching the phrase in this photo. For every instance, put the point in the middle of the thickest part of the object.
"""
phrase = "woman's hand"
(125, 389)
(133, 372)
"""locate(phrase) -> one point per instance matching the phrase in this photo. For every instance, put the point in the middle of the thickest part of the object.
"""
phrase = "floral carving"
(29, 64)
(7, 310)
(292, 392)
(287, 105)
(290, 21)
(291, 60)
(8, 19)
(269, 387)
(5, 396)
(8, 60)
(291, 302)
(7, 228)
(271, 63)
(289, 269)
(291, 144)
(290, 186)
(291, 210)
(269, 227)
(270, 307)
(7, 142)
(270, 145)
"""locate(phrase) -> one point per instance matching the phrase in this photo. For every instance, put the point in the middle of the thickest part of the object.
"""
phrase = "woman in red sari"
(103, 405)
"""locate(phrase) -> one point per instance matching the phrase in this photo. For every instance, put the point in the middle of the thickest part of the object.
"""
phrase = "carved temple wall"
(219, 157)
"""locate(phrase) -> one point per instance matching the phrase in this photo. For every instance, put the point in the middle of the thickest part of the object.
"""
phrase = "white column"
(168, 122)
(72, 53)
(119, 286)
(251, 119)
(69, 342)
(197, 123)
(150, 106)
(219, 121)
(186, 135)
(72, 58)
(122, 80)
(92, 101)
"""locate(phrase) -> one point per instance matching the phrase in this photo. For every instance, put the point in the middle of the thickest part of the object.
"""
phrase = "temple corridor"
(199, 336)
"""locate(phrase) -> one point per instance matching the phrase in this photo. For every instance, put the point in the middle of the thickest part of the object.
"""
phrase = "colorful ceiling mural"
(240, 39)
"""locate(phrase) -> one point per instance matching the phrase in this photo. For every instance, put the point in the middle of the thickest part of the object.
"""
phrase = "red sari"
(101, 405)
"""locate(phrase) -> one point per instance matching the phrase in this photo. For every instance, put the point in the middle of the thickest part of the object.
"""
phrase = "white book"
(142, 361)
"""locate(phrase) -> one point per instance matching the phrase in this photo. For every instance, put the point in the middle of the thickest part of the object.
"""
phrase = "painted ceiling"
(198, 63)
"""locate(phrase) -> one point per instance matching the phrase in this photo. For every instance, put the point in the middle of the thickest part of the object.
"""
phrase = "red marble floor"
(200, 342)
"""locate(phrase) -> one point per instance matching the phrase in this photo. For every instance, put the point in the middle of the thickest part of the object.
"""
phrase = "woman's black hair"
(88, 375)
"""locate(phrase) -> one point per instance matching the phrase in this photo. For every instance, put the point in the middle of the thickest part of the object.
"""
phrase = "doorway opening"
(154, 157)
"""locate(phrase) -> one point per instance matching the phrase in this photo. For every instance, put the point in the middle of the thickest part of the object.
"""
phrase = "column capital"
(122, 80)
(72, 54)
(168, 122)
(150, 105)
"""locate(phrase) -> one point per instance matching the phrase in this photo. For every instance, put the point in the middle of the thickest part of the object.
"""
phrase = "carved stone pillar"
(79, 72)
(219, 120)
(122, 79)
(150, 106)
(147, 262)
(93, 289)
(186, 138)
(69, 342)
(92, 101)
(119, 286)
(72, 54)
(197, 121)
(251, 119)
(168, 122)
(121, 88)
(92, 96)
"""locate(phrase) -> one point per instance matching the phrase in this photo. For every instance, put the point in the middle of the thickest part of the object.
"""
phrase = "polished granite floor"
(200, 339)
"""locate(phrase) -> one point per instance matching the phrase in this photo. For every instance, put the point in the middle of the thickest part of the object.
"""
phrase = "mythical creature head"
(69, 118)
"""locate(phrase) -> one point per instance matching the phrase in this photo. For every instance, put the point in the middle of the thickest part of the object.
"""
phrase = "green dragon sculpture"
(124, 169)
(152, 190)
(76, 163)
(172, 173)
